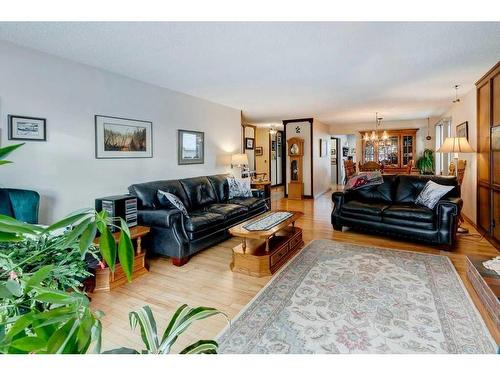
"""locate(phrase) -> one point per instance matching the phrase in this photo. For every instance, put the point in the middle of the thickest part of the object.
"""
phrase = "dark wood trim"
(486, 77)
(311, 121)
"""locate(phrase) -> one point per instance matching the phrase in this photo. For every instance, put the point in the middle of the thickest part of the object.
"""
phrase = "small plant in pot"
(425, 163)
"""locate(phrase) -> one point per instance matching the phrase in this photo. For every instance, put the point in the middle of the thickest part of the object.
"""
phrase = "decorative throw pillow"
(431, 194)
(364, 179)
(239, 187)
(174, 200)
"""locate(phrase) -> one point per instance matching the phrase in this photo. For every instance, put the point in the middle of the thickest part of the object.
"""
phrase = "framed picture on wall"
(249, 143)
(190, 147)
(117, 138)
(24, 128)
(463, 130)
(259, 151)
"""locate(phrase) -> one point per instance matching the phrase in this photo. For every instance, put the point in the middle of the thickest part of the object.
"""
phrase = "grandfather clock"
(295, 153)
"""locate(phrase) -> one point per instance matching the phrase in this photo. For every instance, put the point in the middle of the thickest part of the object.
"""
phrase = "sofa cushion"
(199, 191)
(375, 193)
(409, 212)
(147, 193)
(200, 220)
(228, 210)
(251, 203)
(410, 186)
(366, 208)
(221, 187)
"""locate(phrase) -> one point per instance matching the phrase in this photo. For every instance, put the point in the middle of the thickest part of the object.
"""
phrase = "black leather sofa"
(211, 214)
(390, 209)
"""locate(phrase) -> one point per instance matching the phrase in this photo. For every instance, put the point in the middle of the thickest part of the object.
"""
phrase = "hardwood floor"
(206, 279)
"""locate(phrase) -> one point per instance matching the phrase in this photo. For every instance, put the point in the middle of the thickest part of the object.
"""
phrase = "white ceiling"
(336, 72)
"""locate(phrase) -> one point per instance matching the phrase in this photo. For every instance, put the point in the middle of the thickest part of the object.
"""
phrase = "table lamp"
(455, 146)
(239, 161)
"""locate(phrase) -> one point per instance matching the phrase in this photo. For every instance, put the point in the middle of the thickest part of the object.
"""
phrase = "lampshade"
(455, 145)
(239, 159)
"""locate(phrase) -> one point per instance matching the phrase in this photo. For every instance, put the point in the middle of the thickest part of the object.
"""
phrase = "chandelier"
(374, 136)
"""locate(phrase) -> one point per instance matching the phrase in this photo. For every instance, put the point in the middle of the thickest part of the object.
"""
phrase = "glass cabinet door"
(408, 149)
(369, 152)
(388, 152)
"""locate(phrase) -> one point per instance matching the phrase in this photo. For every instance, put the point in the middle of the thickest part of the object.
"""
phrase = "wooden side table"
(105, 280)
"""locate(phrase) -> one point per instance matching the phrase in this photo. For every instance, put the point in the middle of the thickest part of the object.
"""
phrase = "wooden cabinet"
(488, 153)
(394, 153)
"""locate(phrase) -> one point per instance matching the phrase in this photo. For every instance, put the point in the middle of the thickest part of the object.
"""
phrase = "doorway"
(334, 157)
(276, 157)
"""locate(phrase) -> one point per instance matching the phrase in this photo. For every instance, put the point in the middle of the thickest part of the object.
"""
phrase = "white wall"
(64, 169)
(322, 171)
(460, 112)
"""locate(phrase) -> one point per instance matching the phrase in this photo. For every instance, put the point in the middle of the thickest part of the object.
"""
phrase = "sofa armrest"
(447, 212)
(159, 218)
(449, 206)
(338, 198)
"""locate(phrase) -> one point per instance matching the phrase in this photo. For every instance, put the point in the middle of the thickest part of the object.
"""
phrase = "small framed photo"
(190, 147)
(249, 143)
(463, 130)
(25, 128)
(117, 138)
(259, 151)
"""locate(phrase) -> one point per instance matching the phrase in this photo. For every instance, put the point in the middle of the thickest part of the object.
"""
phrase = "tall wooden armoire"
(295, 154)
(488, 153)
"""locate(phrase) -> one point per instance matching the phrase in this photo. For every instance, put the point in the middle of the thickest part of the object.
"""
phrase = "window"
(442, 131)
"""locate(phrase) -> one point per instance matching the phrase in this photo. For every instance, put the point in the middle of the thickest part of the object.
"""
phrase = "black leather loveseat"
(210, 210)
(390, 209)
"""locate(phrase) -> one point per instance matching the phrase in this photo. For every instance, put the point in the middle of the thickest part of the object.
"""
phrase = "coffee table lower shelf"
(254, 260)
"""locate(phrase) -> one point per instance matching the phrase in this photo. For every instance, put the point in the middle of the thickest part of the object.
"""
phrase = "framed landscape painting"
(24, 128)
(190, 147)
(463, 130)
(117, 138)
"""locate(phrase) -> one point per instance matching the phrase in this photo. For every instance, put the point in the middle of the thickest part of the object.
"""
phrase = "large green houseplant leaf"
(180, 321)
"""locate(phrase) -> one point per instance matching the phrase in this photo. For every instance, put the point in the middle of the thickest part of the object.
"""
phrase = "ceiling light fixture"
(374, 137)
(457, 100)
(272, 130)
(428, 129)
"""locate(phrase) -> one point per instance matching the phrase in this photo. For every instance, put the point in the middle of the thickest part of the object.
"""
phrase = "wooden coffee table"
(262, 253)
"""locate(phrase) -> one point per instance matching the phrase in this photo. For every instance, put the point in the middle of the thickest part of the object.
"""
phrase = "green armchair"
(20, 204)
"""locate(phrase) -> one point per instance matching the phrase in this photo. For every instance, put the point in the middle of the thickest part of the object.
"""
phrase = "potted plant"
(425, 163)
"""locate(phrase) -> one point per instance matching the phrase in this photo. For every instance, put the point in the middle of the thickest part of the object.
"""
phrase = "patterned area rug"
(341, 298)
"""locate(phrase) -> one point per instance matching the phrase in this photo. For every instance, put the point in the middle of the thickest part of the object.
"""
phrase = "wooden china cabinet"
(488, 154)
(394, 153)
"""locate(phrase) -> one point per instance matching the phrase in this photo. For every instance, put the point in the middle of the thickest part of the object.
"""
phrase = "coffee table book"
(262, 253)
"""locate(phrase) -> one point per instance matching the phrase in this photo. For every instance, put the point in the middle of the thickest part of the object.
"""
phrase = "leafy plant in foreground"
(37, 309)
(180, 321)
